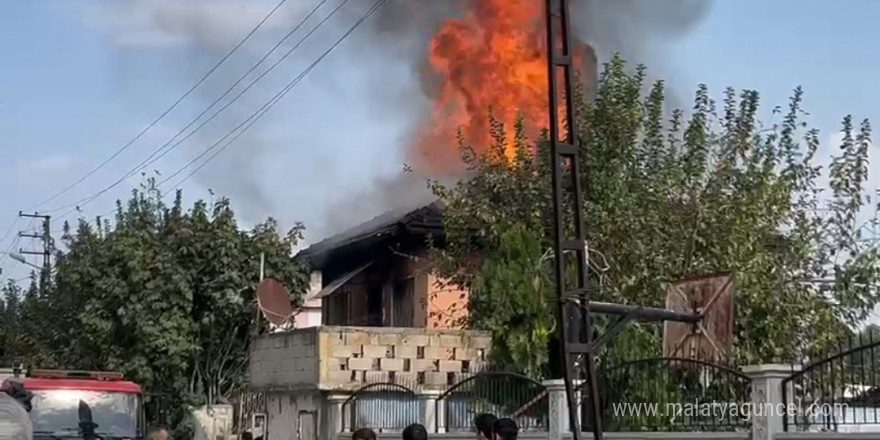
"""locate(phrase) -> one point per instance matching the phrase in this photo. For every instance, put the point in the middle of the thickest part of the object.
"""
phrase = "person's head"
(415, 432)
(15, 423)
(247, 435)
(158, 433)
(363, 434)
(505, 429)
(483, 423)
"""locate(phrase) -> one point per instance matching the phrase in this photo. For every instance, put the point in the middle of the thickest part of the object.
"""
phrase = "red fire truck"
(72, 404)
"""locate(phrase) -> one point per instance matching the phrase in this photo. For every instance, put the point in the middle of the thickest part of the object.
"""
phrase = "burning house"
(377, 274)
(384, 318)
(375, 312)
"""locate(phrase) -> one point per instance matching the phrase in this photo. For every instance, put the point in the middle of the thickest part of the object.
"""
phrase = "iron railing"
(836, 391)
(674, 394)
(502, 394)
(657, 394)
(249, 411)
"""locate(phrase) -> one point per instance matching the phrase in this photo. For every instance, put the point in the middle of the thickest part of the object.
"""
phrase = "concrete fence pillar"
(558, 423)
(335, 415)
(433, 417)
(767, 404)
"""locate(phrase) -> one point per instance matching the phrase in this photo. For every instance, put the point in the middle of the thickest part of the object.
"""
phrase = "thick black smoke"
(640, 30)
(296, 169)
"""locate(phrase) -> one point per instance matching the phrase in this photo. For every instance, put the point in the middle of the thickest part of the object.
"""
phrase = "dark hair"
(363, 434)
(415, 432)
(506, 429)
(15, 389)
(247, 435)
(483, 423)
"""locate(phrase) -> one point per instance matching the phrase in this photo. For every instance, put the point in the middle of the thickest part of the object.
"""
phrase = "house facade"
(378, 275)
(374, 315)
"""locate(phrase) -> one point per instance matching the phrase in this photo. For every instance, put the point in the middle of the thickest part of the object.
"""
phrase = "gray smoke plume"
(640, 30)
(330, 154)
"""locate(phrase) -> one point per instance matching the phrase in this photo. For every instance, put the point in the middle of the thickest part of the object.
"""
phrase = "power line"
(254, 117)
(10, 229)
(5, 256)
(250, 121)
(378, 4)
(168, 146)
(167, 111)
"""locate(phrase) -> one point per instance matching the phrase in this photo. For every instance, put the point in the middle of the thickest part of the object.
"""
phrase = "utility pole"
(258, 311)
(576, 340)
(577, 360)
(48, 245)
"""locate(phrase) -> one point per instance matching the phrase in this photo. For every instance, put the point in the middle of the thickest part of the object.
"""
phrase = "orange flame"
(493, 57)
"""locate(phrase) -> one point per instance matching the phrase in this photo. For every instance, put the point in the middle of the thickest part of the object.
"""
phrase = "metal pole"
(256, 299)
(576, 343)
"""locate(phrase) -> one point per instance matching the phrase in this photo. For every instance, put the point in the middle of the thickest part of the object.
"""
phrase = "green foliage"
(518, 269)
(709, 190)
(164, 294)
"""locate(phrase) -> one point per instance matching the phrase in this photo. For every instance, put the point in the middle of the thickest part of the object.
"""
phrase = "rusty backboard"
(710, 339)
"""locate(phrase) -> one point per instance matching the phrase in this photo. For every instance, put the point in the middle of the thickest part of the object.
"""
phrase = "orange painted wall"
(416, 268)
(436, 304)
(447, 304)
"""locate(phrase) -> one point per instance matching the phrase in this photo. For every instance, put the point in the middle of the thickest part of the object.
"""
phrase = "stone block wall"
(347, 358)
(417, 358)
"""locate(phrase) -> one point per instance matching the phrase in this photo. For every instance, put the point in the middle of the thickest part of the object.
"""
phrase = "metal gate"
(840, 392)
(687, 393)
(383, 407)
(503, 394)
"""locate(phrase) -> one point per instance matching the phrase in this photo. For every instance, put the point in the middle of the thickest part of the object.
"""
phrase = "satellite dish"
(711, 338)
(274, 301)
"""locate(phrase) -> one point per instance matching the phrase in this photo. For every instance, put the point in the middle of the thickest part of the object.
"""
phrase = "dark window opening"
(337, 307)
(402, 303)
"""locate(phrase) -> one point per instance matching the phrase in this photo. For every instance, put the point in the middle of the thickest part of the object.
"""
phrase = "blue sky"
(81, 77)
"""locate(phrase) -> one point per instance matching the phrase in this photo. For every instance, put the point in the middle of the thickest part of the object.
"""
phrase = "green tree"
(10, 338)
(711, 190)
(166, 295)
(519, 269)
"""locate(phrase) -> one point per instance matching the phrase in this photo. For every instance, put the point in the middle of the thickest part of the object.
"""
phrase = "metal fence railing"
(636, 396)
(383, 407)
(839, 392)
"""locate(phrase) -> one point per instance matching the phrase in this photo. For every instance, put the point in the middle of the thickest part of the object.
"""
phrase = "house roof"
(427, 219)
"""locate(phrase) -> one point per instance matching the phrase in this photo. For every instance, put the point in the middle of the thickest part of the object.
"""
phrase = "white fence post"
(767, 403)
(558, 403)
(335, 415)
(433, 419)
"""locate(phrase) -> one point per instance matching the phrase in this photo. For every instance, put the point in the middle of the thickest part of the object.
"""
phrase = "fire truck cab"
(63, 400)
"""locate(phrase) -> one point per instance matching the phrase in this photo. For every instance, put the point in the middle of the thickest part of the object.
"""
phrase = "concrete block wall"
(347, 358)
(286, 360)
(418, 358)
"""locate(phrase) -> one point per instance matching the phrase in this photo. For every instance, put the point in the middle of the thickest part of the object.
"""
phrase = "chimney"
(310, 312)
